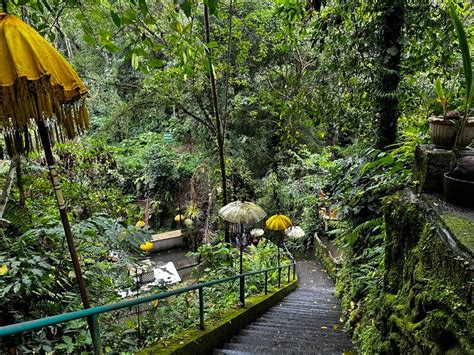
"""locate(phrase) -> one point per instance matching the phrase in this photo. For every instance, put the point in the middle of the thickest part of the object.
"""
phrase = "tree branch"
(202, 121)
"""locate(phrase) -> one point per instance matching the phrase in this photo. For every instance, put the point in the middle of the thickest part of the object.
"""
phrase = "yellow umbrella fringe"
(20, 109)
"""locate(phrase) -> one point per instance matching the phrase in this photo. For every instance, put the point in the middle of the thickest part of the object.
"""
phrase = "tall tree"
(391, 24)
(219, 123)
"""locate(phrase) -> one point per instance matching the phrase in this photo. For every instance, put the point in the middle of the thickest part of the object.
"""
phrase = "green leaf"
(89, 39)
(112, 48)
(212, 5)
(37, 272)
(155, 63)
(115, 18)
(186, 7)
(135, 61)
(51, 36)
(143, 7)
(438, 88)
(464, 46)
(26, 280)
(212, 44)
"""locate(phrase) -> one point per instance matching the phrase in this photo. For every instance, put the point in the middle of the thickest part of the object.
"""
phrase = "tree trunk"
(220, 127)
(390, 56)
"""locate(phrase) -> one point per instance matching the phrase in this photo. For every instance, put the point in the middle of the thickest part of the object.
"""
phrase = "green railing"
(92, 313)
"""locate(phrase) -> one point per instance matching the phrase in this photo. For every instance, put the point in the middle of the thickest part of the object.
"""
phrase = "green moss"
(322, 254)
(424, 304)
(195, 341)
(463, 229)
(404, 324)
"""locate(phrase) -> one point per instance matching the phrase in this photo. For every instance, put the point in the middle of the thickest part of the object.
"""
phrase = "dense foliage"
(311, 108)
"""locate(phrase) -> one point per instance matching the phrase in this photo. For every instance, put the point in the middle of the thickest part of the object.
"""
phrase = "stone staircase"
(305, 322)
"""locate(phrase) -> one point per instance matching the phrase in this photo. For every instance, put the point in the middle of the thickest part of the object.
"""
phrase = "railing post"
(96, 341)
(266, 282)
(289, 269)
(294, 271)
(279, 276)
(201, 308)
(242, 290)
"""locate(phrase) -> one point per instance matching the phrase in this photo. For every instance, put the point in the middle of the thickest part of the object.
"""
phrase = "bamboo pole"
(92, 322)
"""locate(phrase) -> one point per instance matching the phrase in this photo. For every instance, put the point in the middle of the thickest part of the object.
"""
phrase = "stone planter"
(458, 192)
(443, 132)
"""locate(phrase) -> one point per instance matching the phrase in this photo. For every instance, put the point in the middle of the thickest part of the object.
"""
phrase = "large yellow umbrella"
(38, 88)
(37, 83)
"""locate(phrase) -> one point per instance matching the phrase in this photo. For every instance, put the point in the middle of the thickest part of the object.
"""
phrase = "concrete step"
(312, 292)
(305, 322)
(280, 350)
(295, 328)
(287, 344)
(308, 323)
(309, 311)
(310, 301)
(229, 351)
(265, 333)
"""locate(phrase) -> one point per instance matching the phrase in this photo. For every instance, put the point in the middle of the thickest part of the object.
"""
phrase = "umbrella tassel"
(85, 112)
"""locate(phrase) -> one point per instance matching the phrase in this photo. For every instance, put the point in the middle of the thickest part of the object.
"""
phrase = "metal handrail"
(95, 311)
(288, 253)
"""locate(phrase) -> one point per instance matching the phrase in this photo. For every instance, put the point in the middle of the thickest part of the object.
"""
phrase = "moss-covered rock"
(463, 229)
(429, 280)
(418, 300)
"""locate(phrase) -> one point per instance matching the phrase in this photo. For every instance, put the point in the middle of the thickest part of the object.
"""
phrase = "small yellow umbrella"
(278, 222)
(39, 88)
(179, 218)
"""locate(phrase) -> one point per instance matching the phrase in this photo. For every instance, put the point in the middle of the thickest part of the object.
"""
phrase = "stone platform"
(430, 165)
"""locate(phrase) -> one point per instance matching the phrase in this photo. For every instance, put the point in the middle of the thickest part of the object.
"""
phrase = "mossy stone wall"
(428, 282)
(323, 254)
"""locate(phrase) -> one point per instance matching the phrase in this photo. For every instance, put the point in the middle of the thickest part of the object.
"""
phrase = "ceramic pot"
(443, 132)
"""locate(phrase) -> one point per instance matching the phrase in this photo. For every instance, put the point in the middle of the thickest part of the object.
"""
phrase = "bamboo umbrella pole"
(241, 246)
(92, 322)
(242, 285)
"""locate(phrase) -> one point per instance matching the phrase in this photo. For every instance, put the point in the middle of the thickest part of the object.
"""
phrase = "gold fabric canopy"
(278, 222)
(36, 82)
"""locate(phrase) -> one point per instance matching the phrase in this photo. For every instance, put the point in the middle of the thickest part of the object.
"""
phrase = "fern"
(364, 227)
(17, 217)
